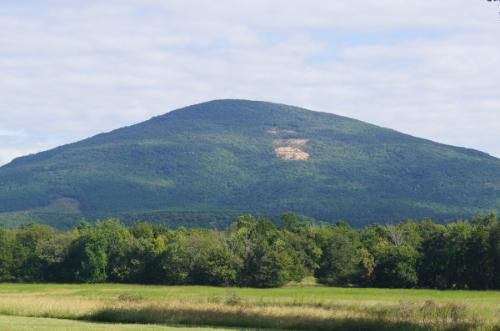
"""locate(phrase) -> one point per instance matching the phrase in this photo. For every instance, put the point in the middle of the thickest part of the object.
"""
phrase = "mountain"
(227, 157)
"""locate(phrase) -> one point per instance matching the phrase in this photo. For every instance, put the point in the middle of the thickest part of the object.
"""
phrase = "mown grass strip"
(16, 323)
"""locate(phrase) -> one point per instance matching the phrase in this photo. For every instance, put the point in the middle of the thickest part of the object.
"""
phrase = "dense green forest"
(228, 157)
(256, 253)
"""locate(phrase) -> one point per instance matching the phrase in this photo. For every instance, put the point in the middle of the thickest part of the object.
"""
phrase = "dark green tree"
(339, 264)
(7, 246)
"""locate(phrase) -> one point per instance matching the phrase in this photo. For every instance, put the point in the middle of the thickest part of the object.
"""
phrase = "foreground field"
(16, 323)
(290, 308)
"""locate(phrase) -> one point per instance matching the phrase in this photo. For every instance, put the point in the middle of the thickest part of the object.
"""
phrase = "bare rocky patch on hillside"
(291, 149)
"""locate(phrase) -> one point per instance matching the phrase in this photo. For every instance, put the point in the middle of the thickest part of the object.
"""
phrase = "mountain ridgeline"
(223, 158)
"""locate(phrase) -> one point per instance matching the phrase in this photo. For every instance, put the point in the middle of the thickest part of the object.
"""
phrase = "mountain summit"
(249, 156)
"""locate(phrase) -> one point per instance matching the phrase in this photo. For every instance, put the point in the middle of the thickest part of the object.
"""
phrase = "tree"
(480, 255)
(87, 261)
(339, 264)
(254, 252)
(211, 262)
(173, 265)
(29, 254)
(456, 238)
(395, 257)
(395, 266)
(99, 254)
(433, 263)
(7, 242)
(303, 247)
(495, 253)
(267, 266)
(116, 240)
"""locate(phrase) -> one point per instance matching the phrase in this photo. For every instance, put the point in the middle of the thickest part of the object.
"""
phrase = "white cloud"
(73, 69)
(12, 133)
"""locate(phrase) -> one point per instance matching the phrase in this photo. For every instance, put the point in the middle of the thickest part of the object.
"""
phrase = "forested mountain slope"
(235, 156)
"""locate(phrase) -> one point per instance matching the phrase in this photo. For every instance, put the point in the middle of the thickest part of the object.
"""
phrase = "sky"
(72, 69)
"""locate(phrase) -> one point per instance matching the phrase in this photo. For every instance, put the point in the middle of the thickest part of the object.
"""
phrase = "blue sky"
(72, 69)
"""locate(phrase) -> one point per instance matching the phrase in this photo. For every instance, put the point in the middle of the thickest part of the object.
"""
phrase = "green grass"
(16, 323)
(289, 308)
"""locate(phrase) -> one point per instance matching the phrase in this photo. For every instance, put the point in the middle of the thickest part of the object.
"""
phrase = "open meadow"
(16, 323)
(300, 307)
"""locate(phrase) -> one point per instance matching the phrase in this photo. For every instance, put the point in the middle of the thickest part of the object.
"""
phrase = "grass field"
(72, 307)
(16, 323)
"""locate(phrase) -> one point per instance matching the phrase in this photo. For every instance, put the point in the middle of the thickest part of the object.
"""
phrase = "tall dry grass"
(39, 306)
(233, 311)
(418, 317)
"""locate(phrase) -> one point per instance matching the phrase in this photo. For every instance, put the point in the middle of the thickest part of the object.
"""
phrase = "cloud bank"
(69, 69)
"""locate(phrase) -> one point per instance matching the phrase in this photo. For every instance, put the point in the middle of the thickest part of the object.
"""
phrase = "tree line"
(257, 253)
